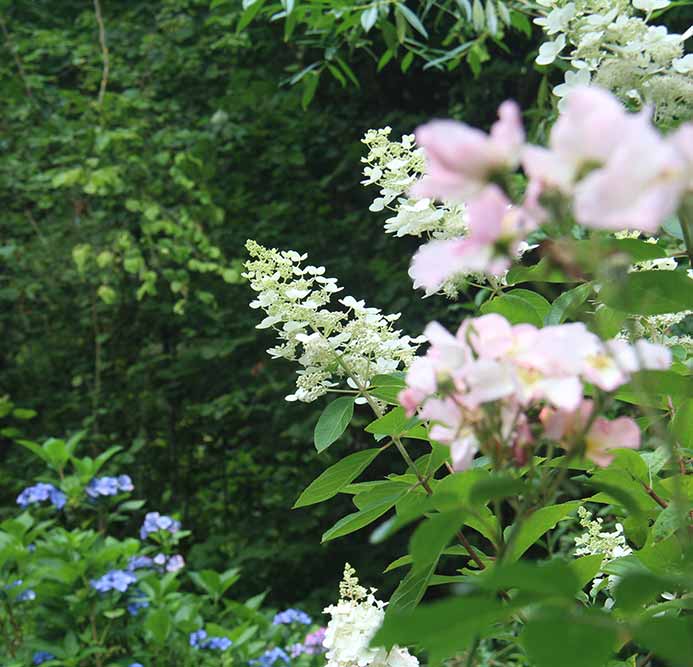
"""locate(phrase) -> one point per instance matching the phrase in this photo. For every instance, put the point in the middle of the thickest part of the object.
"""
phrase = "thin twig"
(104, 52)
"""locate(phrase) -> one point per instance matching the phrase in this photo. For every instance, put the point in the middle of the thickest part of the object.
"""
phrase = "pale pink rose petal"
(490, 335)
(638, 188)
(591, 127)
(546, 169)
(486, 214)
(460, 159)
(486, 380)
(462, 451)
(560, 424)
(605, 435)
(438, 261)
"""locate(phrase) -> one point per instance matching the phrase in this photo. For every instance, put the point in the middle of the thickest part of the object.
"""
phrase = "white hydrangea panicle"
(597, 541)
(354, 344)
(354, 621)
(611, 43)
(394, 166)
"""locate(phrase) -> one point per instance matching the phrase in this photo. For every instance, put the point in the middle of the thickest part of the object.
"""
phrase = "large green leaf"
(519, 306)
(535, 525)
(365, 516)
(567, 303)
(443, 629)
(668, 638)
(333, 422)
(336, 477)
(586, 639)
(650, 293)
(158, 624)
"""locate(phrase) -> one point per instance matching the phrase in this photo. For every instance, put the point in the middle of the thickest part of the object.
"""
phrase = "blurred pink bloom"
(460, 159)
(491, 219)
(605, 435)
(584, 136)
(638, 188)
(601, 437)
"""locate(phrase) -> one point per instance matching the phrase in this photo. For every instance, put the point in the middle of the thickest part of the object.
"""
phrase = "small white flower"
(549, 51)
(683, 65)
(650, 5)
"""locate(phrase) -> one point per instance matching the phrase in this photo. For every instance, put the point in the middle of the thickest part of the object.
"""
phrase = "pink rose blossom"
(605, 435)
(492, 219)
(461, 159)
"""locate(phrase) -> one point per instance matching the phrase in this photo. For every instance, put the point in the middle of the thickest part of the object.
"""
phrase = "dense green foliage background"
(121, 236)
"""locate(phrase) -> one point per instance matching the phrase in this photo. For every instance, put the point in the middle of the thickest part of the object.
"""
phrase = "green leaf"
(553, 578)
(412, 19)
(496, 487)
(369, 17)
(535, 525)
(585, 639)
(336, 477)
(443, 629)
(432, 536)
(365, 516)
(249, 14)
(310, 85)
(393, 423)
(158, 624)
(543, 272)
(333, 422)
(387, 387)
(412, 588)
(518, 306)
(491, 17)
(567, 303)
(668, 638)
(682, 424)
(650, 293)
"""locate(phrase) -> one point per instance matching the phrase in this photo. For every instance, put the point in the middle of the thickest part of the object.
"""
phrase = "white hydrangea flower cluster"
(394, 166)
(354, 344)
(657, 328)
(354, 621)
(595, 541)
(611, 43)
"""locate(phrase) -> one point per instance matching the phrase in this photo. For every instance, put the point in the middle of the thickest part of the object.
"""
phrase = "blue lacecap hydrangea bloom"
(40, 492)
(199, 639)
(42, 656)
(289, 616)
(136, 664)
(109, 486)
(139, 563)
(115, 580)
(271, 657)
(154, 522)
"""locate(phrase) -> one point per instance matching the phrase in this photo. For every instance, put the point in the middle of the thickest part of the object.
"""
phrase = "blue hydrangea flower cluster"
(199, 639)
(42, 656)
(138, 600)
(289, 616)
(271, 657)
(40, 492)
(172, 564)
(136, 664)
(24, 596)
(109, 486)
(154, 522)
(115, 580)
(139, 563)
